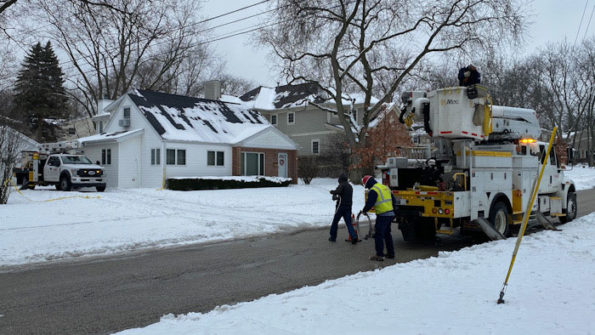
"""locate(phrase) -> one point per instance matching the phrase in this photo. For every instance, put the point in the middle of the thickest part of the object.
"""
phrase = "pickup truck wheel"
(571, 208)
(65, 183)
(499, 218)
(58, 187)
(100, 188)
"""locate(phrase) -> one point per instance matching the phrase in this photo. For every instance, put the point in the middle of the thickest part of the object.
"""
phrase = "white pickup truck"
(65, 171)
(68, 171)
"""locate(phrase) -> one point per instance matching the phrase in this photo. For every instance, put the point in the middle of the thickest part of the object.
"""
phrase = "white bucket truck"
(481, 170)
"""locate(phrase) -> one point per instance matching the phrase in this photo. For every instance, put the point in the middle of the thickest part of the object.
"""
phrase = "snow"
(582, 176)
(551, 289)
(45, 224)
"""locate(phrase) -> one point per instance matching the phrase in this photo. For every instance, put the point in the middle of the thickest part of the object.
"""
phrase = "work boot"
(390, 256)
(376, 258)
(332, 239)
(354, 240)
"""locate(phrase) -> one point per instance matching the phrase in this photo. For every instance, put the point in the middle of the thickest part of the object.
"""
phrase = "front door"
(282, 164)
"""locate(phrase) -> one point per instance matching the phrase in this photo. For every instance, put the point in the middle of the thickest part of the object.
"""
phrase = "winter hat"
(342, 178)
(365, 179)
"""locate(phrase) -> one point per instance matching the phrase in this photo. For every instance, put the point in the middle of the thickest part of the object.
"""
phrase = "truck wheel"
(100, 188)
(571, 208)
(65, 183)
(58, 186)
(499, 218)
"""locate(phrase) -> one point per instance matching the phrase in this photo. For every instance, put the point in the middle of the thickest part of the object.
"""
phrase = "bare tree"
(351, 45)
(10, 143)
(129, 44)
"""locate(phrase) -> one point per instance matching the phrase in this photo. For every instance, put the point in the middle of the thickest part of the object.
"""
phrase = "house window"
(354, 113)
(315, 146)
(274, 119)
(252, 163)
(100, 127)
(106, 156)
(291, 118)
(155, 156)
(171, 157)
(181, 157)
(175, 157)
(127, 113)
(215, 158)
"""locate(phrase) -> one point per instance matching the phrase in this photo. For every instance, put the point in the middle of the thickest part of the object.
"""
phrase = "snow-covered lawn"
(36, 228)
(45, 224)
(551, 291)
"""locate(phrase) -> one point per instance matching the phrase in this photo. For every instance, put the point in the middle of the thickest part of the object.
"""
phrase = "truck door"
(51, 169)
(550, 182)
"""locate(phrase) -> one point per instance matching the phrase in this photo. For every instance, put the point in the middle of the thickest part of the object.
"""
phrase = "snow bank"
(551, 291)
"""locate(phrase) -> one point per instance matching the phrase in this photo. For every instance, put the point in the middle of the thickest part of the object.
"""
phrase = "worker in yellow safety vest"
(381, 198)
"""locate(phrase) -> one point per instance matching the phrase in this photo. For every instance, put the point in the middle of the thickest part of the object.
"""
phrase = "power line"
(581, 23)
(588, 24)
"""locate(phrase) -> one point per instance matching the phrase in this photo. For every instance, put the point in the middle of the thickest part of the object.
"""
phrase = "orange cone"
(353, 223)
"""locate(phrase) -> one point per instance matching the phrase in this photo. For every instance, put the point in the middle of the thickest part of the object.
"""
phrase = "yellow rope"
(7, 181)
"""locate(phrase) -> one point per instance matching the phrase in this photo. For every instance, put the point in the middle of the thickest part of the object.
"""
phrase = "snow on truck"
(65, 171)
(481, 171)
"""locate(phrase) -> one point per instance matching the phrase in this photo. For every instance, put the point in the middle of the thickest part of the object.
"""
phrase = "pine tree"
(40, 96)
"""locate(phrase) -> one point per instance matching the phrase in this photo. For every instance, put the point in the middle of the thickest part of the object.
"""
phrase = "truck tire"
(500, 218)
(58, 187)
(65, 183)
(571, 208)
(100, 188)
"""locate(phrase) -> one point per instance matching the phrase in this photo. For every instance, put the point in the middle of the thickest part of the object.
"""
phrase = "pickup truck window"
(76, 160)
(54, 161)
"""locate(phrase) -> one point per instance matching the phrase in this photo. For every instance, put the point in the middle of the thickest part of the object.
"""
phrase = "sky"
(552, 21)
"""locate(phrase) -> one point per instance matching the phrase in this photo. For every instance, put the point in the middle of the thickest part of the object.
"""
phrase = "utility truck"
(52, 165)
(481, 171)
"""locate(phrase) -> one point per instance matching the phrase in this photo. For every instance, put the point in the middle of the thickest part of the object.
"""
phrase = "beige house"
(292, 109)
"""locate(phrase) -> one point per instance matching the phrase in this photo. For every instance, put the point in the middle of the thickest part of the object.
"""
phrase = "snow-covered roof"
(182, 118)
(110, 137)
(286, 96)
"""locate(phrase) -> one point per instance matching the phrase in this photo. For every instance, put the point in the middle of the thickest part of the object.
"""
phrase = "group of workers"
(380, 197)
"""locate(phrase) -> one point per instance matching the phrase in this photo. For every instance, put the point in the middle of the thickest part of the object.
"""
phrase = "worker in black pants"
(381, 198)
(343, 194)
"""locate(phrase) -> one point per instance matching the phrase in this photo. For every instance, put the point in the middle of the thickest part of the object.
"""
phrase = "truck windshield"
(75, 160)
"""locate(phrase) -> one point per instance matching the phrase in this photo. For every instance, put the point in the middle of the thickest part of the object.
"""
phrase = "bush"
(307, 169)
(217, 183)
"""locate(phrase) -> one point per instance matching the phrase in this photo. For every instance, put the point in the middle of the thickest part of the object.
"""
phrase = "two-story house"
(292, 110)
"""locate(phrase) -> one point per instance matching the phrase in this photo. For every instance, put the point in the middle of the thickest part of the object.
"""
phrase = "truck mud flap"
(487, 228)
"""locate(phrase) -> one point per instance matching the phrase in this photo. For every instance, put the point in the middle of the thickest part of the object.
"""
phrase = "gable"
(270, 138)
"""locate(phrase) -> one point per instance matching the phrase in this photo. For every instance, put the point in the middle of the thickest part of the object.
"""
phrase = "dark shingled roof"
(181, 117)
(287, 95)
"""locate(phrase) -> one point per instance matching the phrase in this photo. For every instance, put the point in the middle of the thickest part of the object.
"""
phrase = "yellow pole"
(526, 215)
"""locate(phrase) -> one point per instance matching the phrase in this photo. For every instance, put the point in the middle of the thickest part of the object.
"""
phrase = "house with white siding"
(149, 136)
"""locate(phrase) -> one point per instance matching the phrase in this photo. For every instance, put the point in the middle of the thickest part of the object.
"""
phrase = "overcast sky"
(553, 20)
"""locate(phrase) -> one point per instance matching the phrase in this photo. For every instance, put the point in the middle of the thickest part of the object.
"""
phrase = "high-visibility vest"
(384, 201)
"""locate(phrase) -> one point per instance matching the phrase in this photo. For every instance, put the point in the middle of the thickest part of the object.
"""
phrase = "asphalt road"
(104, 295)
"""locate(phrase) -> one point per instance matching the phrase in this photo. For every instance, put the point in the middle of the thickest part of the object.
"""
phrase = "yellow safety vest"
(384, 201)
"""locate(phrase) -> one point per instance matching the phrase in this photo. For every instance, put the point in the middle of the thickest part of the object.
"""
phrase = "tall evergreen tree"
(40, 97)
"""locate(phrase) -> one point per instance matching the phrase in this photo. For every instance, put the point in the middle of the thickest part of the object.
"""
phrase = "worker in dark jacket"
(381, 198)
(469, 75)
(343, 195)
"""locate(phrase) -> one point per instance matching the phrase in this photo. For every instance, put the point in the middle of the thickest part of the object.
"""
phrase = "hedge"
(217, 183)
